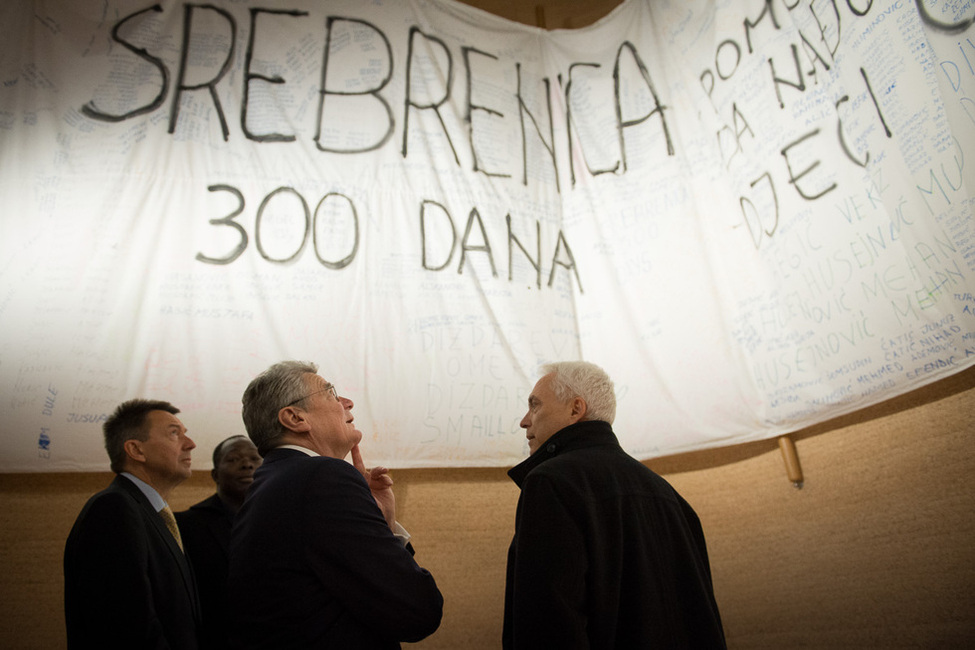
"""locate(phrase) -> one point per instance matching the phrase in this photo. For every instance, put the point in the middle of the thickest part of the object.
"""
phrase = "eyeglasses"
(330, 388)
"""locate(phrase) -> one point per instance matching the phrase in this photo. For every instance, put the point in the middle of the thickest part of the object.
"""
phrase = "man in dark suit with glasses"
(317, 558)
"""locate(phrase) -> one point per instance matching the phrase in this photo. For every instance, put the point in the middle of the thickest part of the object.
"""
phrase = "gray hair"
(585, 380)
(282, 384)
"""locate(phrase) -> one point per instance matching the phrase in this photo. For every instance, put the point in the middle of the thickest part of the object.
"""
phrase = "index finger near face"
(357, 459)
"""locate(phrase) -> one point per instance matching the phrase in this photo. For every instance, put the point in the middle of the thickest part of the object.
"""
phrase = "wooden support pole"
(791, 457)
(540, 16)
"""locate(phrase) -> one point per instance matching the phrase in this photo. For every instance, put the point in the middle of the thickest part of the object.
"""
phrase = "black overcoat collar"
(581, 435)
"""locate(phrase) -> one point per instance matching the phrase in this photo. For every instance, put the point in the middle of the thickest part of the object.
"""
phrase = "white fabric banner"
(754, 215)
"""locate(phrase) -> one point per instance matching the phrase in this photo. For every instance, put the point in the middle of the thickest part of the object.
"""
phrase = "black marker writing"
(429, 224)
(335, 204)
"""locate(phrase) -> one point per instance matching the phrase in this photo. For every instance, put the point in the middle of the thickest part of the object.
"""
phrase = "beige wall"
(876, 550)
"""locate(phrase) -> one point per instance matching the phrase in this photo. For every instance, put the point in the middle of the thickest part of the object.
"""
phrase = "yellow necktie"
(170, 520)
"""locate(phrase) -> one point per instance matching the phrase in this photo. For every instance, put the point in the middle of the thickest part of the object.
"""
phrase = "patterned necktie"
(170, 520)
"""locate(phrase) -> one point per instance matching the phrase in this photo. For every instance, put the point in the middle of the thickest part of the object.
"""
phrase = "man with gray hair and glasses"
(606, 554)
(317, 558)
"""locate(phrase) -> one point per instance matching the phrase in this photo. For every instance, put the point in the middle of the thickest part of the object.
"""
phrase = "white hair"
(588, 381)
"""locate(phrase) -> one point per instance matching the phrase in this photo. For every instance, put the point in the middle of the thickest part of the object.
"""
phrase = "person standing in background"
(205, 529)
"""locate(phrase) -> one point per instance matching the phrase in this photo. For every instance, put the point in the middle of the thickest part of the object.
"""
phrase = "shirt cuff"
(400, 533)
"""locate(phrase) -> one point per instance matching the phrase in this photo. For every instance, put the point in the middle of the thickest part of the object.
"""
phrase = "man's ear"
(579, 409)
(293, 419)
(133, 449)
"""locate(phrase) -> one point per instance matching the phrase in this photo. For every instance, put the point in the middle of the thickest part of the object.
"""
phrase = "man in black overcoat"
(606, 554)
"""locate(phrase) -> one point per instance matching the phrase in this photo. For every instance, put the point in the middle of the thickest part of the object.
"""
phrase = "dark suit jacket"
(126, 582)
(313, 563)
(205, 529)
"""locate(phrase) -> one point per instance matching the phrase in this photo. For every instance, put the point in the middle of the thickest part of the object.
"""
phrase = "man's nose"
(346, 403)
